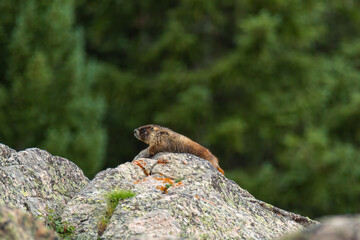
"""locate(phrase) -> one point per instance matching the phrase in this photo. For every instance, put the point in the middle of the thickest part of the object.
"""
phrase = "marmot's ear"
(155, 128)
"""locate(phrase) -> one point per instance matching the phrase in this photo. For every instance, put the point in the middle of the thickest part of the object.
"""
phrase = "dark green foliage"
(46, 97)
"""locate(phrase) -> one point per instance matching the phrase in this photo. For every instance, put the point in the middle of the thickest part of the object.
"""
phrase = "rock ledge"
(177, 196)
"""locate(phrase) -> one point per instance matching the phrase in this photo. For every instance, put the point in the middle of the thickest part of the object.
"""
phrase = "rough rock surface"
(35, 181)
(19, 225)
(332, 228)
(178, 196)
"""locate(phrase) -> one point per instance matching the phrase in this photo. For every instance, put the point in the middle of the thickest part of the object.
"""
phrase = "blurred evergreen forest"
(271, 87)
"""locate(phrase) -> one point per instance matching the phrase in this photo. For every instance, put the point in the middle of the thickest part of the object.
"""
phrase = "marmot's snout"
(136, 133)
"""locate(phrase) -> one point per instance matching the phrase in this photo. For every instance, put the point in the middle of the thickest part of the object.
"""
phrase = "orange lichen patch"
(141, 161)
(163, 188)
(165, 180)
(179, 184)
(204, 200)
(140, 180)
(141, 164)
(162, 161)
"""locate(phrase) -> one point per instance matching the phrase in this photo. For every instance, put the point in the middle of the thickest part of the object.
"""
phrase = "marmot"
(161, 139)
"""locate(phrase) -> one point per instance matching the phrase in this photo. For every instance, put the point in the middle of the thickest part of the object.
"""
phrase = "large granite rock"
(332, 228)
(178, 196)
(33, 180)
(16, 224)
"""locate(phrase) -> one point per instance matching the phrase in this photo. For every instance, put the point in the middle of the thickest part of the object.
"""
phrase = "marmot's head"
(146, 133)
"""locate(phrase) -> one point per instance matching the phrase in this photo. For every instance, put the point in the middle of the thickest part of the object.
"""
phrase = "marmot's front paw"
(144, 154)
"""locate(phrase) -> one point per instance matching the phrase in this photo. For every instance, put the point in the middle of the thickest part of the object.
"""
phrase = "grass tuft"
(112, 200)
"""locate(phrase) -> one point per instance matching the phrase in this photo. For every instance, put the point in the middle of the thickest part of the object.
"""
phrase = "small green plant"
(112, 200)
(179, 180)
(54, 221)
(115, 196)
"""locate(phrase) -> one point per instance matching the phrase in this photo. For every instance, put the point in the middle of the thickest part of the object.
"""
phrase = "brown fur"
(161, 139)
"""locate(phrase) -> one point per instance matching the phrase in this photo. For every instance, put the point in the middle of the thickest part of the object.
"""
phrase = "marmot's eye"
(143, 130)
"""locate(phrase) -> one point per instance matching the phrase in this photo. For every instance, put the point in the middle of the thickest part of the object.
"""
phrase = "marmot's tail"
(220, 170)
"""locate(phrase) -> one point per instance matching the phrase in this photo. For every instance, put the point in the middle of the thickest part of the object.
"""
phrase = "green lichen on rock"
(34, 180)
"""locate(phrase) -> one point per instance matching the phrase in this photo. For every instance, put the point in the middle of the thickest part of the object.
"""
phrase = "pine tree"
(47, 97)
